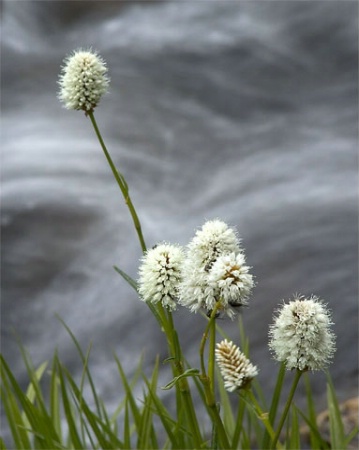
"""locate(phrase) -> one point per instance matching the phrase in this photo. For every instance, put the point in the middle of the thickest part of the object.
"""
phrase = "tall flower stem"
(263, 416)
(208, 380)
(211, 353)
(120, 181)
(298, 374)
(178, 369)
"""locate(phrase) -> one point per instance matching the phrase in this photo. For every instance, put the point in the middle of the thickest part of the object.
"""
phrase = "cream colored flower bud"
(236, 369)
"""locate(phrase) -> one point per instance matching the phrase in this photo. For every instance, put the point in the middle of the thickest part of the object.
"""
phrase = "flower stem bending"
(121, 182)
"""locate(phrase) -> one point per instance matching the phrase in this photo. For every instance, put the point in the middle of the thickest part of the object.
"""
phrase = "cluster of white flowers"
(236, 369)
(83, 80)
(215, 270)
(301, 334)
(212, 270)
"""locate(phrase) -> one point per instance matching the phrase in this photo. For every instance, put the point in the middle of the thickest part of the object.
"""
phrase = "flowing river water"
(243, 111)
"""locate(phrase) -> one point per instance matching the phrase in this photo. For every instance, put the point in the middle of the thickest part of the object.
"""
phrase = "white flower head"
(215, 238)
(230, 279)
(160, 275)
(215, 270)
(83, 80)
(301, 334)
(236, 369)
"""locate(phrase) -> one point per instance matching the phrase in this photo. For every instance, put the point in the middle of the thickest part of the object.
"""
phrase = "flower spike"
(301, 335)
(160, 275)
(236, 369)
(83, 80)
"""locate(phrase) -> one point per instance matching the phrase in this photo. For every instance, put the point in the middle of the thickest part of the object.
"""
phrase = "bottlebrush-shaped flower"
(160, 275)
(301, 334)
(236, 369)
(83, 80)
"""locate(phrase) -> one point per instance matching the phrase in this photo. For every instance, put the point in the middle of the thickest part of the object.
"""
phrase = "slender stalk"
(210, 324)
(121, 182)
(263, 416)
(211, 352)
(208, 380)
(185, 392)
(298, 374)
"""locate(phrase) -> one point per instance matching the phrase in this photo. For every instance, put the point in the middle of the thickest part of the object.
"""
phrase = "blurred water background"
(244, 111)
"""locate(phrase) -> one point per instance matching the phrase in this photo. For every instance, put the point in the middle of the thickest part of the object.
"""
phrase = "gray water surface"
(243, 111)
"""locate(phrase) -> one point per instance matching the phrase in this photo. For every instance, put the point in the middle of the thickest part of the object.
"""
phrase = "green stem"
(210, 324)
(121, 182)
(298, 374)
(177, 366)
(263, 416)
(208, 380)
(211, 353)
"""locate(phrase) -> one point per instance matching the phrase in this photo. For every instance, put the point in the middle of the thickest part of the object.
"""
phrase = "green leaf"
(275, 402)
(185, 374)
(351, 435)
(55, 413)
(84, 360)
(127, 278)
(13, 415)
(69, 411)
(134, 408)
(294, 438)
(100, 429)
(336, 427)
(319, 441)
(226, 408)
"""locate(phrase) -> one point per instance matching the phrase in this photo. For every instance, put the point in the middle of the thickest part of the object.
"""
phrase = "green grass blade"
(313, 428)
(55, 404)
(238, 424)
(351, 435)
(169, 424)
(126, 429)
(127, 278)
(101, 430)
(294, 436)
(14, 417)
(274, 403)
(146, 435)
(84, 362)
(41, 426)
(316, 440)
(132, 403)
(336, 427)
(69, 411)
(31, 392)
(226, 408)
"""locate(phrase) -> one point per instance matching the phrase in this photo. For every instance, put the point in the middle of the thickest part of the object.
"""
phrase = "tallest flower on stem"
(83, 80)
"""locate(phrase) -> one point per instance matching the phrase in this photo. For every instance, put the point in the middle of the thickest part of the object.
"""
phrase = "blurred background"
(243, 111)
